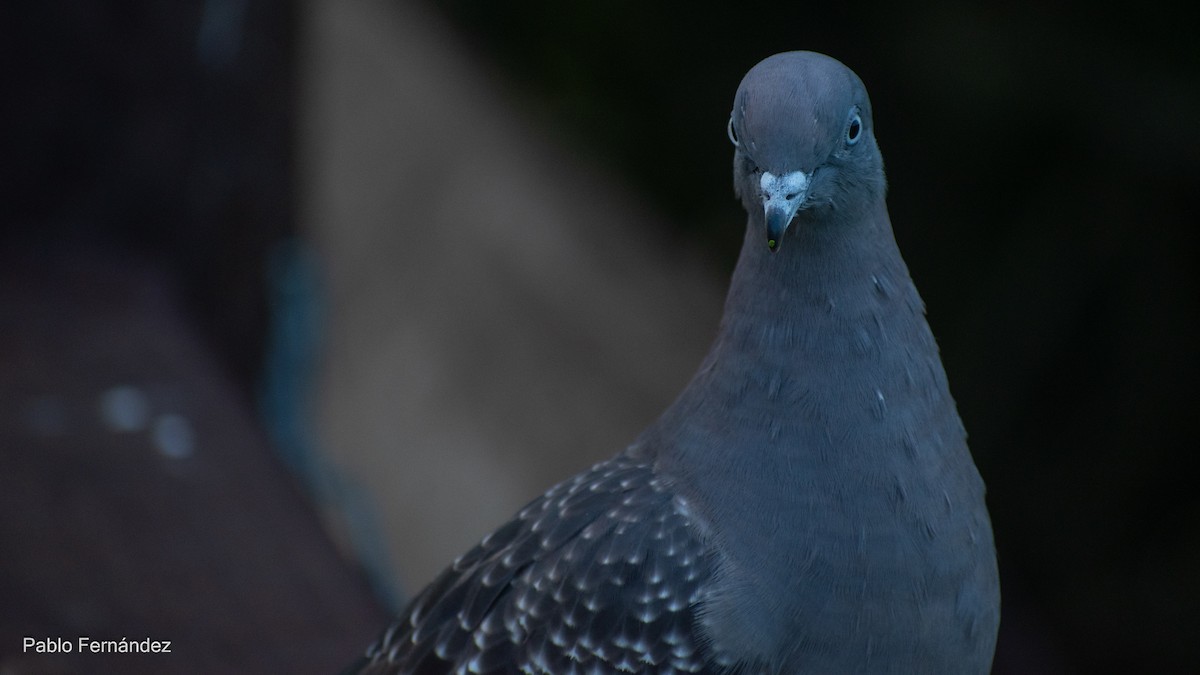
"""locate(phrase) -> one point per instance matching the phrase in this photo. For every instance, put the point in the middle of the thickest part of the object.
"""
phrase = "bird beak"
(782, 197)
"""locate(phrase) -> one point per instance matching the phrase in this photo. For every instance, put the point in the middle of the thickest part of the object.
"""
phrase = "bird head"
(804, 143)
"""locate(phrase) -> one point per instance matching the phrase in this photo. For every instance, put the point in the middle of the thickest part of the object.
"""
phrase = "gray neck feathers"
(819, 421)
(819, 344)
(824, 366)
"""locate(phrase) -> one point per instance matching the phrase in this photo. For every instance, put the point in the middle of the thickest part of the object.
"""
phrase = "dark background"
(1043, 167)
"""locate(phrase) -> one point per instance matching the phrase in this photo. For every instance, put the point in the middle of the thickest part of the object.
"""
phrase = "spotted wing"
(602, 574)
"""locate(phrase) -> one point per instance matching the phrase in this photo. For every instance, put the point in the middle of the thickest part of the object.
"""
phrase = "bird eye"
(732, 133)
(854, 129)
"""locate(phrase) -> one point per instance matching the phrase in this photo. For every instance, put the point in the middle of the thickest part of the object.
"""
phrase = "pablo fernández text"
(87, 645)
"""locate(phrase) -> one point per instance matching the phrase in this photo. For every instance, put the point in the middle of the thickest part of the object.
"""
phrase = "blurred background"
(299, 300)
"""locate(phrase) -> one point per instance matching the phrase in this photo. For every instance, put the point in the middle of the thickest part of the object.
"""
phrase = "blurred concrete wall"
(500, 313)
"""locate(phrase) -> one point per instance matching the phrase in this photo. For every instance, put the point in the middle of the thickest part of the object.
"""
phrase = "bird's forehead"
(791, 111)
(784, 127)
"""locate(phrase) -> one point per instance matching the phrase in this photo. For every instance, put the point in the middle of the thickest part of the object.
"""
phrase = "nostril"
(791, 196)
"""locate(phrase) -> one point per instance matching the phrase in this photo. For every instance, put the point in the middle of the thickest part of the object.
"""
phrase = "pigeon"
(808, 504)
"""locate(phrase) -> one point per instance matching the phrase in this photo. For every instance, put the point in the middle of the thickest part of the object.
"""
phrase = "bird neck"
(823, 362)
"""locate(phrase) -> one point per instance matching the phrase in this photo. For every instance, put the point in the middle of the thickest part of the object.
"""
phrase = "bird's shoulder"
(601, 574)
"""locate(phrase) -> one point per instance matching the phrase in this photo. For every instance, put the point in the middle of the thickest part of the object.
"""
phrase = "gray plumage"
(807, 505)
